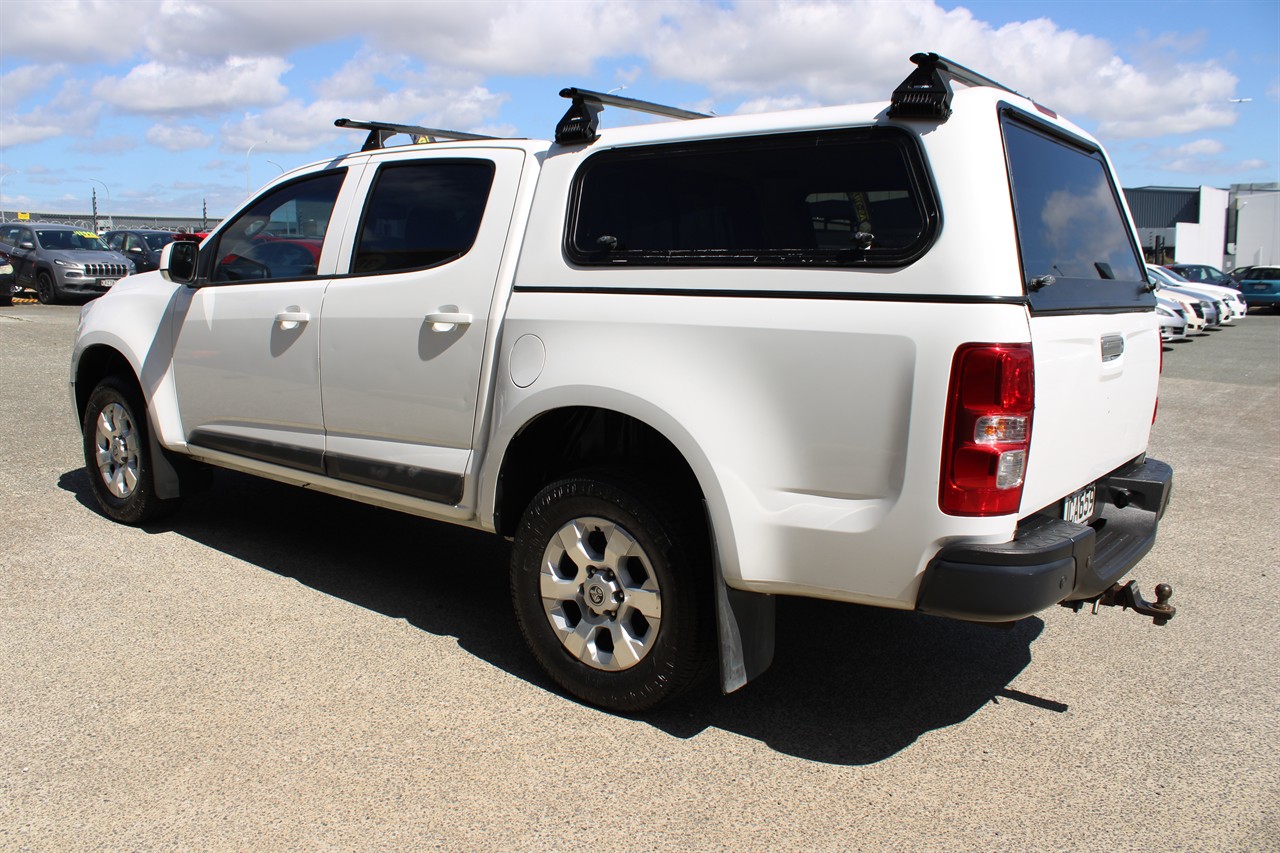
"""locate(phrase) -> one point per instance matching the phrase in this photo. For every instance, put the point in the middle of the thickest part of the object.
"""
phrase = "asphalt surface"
(278, 669)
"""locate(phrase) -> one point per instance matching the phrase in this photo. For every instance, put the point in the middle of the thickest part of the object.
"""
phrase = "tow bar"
(1128, 597)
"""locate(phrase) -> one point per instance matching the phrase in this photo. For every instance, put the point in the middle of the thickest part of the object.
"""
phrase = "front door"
(246, 358)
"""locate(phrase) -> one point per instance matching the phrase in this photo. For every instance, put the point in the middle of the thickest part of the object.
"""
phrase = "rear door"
(1093, 328)
(405, 324)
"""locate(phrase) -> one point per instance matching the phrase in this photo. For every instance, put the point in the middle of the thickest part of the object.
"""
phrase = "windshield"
(156, 242)
(61, 239)
(1200, 273)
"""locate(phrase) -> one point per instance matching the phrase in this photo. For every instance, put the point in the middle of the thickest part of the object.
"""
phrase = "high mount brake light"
(988, 429)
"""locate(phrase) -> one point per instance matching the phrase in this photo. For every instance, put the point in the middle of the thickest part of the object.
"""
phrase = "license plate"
(1079, 506)
(106, 282)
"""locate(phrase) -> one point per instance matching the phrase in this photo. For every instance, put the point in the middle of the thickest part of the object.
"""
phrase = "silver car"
(60, 262)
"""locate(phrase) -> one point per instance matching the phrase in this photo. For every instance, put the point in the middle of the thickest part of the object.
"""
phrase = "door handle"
(290, 320)
(447, 321)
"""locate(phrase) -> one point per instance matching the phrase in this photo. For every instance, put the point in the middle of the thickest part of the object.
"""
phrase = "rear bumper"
(1050, 560)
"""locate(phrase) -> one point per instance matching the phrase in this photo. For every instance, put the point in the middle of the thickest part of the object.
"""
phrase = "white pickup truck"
(903, 354)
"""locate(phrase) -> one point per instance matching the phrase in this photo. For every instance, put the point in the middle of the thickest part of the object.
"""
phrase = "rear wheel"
(117, 455)
(46, 289)
(611, 590)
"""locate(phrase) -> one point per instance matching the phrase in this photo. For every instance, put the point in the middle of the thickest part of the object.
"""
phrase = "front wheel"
(117, 455)
(46, 289)
(611, 589)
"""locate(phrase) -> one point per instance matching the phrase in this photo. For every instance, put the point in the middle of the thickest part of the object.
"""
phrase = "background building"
(1253, 225)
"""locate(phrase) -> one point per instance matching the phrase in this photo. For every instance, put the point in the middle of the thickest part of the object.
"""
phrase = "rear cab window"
(1074, 241)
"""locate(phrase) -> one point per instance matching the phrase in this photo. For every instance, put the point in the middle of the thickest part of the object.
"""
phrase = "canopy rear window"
(1076, 246)
(840, 198)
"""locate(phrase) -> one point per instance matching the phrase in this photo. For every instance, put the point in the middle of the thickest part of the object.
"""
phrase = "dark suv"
(140, 246)
(61, 261)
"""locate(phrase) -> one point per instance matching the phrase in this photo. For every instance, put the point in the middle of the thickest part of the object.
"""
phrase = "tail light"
(988, 429)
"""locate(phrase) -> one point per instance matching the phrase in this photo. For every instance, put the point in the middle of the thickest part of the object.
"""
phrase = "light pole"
(247, 188)
(3, 218)
(108, 189)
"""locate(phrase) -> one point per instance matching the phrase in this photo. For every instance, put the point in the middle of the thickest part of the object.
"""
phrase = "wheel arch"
(562, 440)
(93, 365)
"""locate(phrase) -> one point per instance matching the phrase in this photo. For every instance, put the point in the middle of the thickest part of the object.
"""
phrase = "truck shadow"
(849, 685)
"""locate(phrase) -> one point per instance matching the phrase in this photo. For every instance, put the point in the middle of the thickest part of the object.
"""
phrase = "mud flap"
(745, 629)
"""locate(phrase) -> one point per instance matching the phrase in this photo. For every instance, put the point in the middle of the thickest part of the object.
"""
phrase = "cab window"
(279, 236)
(421, 214)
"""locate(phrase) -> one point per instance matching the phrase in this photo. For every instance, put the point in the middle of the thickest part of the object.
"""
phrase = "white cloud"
(76, 31)
(155, 87)
(829, 52)
(18, 133)
(25, 81)
(178, 138)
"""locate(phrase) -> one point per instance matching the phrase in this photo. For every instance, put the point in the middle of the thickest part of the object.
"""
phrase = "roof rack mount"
(582, 120)
(927, 94)
(381, 131)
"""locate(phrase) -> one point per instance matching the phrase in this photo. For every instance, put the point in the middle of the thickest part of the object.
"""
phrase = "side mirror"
(178, 261)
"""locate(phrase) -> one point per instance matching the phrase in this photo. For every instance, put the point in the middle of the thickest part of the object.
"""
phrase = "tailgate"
(1096, 377)
(1094, 333)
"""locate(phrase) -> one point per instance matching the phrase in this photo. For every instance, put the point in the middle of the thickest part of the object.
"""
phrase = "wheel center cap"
(601, 594)
(118, 449)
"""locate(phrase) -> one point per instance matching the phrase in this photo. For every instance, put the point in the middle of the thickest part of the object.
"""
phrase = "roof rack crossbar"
(381, 131)
(583, 117)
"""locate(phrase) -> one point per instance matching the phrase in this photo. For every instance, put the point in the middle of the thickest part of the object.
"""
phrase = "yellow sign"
(24, 217)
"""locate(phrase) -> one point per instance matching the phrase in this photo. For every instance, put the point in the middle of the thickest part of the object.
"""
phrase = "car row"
(62, 262)
(1200, 304)
(1257, 285)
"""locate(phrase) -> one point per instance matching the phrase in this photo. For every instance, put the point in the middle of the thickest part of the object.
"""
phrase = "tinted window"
(1076, 246)
(281, 234)
(844, 197)
(158, 241)
(67, 240)
(422, 214)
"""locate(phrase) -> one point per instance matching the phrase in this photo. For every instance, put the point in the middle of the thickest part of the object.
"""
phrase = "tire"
(117, 455)
(612, 592)
(46, 289)
(6, 295)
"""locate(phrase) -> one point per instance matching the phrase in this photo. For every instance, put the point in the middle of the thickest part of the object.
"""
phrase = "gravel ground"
(277, 668)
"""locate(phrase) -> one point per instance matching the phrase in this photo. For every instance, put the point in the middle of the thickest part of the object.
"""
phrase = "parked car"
(1201, 273)
(142, 246)
(1195, 309)
(61, 261)
(1261, 286)
(1227, 299)
(686, 367)
(1173, 320)
(1238, 274)
(7, 282)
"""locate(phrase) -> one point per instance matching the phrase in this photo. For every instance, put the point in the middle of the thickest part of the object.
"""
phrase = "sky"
(171, 107)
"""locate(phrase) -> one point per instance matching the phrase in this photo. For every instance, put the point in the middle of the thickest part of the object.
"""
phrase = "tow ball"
(1128, 597)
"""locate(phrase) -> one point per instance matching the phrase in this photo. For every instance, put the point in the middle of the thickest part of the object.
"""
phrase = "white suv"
(903, 354)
